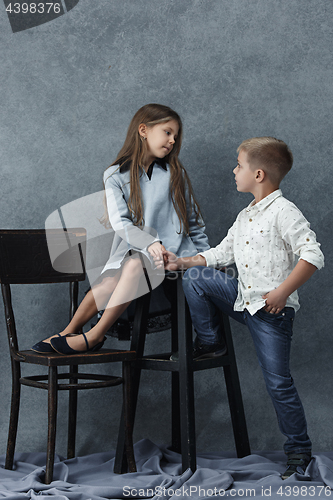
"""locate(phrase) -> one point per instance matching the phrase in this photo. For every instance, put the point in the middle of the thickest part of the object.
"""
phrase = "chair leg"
(175, 413)
(175, 398)
(128, 416)
(72, 414)
(14, 414)
(186, 383)
(137, 345)
(52, 422)
(235, 395)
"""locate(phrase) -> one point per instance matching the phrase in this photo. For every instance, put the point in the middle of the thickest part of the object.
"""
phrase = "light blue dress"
(160, 218)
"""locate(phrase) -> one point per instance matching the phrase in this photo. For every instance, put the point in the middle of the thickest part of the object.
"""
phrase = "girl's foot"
(44, 346)
(61, 345)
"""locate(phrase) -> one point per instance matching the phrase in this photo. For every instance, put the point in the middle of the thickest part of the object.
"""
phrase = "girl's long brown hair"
(134, 150)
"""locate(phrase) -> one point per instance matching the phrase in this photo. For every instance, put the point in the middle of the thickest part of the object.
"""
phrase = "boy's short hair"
(270, 154)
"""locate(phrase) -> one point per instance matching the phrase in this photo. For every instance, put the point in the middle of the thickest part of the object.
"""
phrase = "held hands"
(170, 261)
(166, 258)
(157, 251)
(275, 301)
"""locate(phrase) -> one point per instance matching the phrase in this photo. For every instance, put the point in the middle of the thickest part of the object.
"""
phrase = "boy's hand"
(275, 301)
(170, 261)
(157, 250)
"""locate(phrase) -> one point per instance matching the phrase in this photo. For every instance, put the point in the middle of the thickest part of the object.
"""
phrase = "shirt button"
(250, 220)
(247, 242)
(246, 265)
(307, 239)
(247, 303)
(249, 286)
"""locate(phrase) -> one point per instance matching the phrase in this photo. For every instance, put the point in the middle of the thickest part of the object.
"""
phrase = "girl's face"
(160, 139)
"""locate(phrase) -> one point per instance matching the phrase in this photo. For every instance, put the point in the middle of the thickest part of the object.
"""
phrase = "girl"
(151, 207)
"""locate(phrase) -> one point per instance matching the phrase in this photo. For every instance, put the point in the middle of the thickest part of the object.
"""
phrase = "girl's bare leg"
(93, 302)
(124, 292)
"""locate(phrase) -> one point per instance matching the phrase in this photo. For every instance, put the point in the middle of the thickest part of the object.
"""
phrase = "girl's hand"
(157, 250)
(170, 261)
(275, 301)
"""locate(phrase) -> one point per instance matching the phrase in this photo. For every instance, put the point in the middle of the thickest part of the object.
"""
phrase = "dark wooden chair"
(183, 439)
(25, 258)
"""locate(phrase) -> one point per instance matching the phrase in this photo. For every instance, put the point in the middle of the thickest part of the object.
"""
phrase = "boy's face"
(245, 177)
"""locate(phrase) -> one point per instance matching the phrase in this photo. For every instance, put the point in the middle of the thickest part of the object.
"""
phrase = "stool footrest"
(163, 362)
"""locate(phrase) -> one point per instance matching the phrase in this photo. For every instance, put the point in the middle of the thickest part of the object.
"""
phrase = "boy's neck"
(262, 190)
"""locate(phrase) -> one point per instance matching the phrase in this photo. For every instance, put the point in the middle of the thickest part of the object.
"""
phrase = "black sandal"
(43, 347)
(61, 346)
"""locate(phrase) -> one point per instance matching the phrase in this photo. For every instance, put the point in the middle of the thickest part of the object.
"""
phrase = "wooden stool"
(183, 419)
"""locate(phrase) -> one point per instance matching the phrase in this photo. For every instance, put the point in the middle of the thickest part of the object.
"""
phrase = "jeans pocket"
(282, 321)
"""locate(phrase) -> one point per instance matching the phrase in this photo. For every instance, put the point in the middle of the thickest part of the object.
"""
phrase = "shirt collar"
(265, 202)
(159, 161)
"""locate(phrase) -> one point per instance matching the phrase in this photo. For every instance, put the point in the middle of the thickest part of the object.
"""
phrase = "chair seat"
(55, 359)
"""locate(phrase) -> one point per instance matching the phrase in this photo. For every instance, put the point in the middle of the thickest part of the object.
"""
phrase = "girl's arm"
(196, 231)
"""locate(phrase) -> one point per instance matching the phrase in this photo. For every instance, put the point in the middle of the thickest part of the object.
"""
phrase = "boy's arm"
(220, 256)
(296, 233)
(173, 263)
(276, 299)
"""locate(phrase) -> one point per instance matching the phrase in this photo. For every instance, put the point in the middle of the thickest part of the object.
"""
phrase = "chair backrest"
(25, 255)
(25, 258)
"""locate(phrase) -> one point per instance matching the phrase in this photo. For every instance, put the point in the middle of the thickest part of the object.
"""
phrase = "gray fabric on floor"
(159, 476)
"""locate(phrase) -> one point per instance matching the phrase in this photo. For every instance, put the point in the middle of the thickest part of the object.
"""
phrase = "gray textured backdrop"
(233, 70)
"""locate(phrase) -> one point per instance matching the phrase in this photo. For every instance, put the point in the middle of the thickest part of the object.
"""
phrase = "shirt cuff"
(155, 240)
(209, 257)
(313, 258)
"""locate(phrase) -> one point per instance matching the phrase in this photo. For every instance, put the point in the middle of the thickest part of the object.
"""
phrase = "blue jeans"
(208, 290)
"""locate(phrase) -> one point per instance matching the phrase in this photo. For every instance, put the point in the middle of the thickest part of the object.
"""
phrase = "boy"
(262, 243)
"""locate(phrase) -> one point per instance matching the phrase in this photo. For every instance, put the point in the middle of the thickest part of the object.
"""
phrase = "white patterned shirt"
(263, 242)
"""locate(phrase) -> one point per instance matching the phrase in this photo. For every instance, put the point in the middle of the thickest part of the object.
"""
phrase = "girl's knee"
(133, 266)
(107, 284)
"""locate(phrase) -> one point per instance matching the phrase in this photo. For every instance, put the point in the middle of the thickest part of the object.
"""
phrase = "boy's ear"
(260, 175)
(142, 130)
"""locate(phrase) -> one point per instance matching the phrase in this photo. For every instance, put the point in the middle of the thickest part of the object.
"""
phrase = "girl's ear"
(142, 130)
